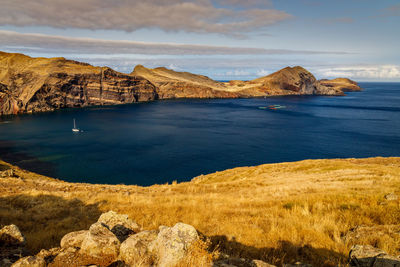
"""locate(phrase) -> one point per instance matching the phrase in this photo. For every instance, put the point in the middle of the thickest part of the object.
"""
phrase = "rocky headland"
(44, 84)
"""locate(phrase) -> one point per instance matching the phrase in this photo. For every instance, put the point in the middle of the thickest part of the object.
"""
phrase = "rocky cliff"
(44, 84)
(40, 84)
(287, 81)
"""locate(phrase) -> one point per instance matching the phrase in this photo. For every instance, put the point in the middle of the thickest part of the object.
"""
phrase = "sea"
(175, 140)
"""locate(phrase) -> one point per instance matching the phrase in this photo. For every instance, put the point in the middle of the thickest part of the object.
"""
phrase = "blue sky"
(223, 39)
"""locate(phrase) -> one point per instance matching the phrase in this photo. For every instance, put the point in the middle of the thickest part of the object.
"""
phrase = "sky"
(223, 39)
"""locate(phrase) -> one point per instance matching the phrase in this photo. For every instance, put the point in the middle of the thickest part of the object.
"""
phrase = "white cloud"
(238, 73)
(199, 16)
(363, 72)
(262, 72)
(51, 44)
(174, 67)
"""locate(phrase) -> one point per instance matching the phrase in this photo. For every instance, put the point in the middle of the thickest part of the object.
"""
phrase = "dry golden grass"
(287, 212)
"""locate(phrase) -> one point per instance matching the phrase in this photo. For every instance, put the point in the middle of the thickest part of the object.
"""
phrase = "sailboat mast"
(74, 124)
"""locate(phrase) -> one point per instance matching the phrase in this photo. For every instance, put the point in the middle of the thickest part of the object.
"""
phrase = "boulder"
(10, 235)
(30, 261)
(73, 239)
(297, 264)
(100, 242)
(136, 250)
(120, 224)
(391, 197)
(369, 256)
(259, 263)
(172, 243)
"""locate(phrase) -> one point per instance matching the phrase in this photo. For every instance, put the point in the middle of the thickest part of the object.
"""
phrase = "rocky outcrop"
(73, 239)
(119, 224)
(287, 81)
(172, 242)
(100, 242)
(368, 256)
(341, 84)
(30, 261)
(295, 81)
(100, 246)
(42, 84)
(138, 249)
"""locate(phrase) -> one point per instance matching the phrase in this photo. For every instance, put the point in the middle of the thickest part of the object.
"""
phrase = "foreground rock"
(120, 224)
(45, 84)
(368, 256)
(137, 249)
(101, 246)
(100, 242)
(172, 242)
(12, 245)
(10, 235)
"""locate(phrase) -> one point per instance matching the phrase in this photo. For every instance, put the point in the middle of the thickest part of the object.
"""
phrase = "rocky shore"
(30, 85)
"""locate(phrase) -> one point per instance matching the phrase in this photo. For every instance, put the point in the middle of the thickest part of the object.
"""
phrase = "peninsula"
(30, 85)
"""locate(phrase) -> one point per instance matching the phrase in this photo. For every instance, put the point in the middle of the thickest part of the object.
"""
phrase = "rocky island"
(30, 85)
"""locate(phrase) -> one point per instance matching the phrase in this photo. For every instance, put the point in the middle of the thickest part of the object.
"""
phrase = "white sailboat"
(75, 129)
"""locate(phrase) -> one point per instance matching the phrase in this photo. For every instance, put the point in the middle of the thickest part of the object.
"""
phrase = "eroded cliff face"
(39, 84)
(45, 84)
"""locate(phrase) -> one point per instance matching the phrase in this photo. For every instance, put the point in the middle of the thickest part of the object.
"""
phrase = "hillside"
(45, 84)
(311, 211)
(287, 81)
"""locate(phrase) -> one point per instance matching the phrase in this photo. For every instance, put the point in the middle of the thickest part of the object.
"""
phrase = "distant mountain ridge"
(30, 85)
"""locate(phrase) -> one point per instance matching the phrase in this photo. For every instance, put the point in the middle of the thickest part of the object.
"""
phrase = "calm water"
(163, 141)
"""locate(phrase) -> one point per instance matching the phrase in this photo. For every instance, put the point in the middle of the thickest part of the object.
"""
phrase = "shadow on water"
(24, 160)
(285, 252)
(45, 219)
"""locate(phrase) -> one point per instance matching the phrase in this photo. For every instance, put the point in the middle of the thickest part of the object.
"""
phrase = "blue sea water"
(162, 141)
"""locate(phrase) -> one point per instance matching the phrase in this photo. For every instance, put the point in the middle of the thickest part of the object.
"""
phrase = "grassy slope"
(276, 212)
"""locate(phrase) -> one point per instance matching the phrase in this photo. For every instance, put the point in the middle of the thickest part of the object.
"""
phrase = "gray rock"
(369, 256)
(259, 263)
(99, 242)
(120, 224)
(30, 261)
(136, 250)
(73, 239)
(10, 235)
(172, 243)
(297, 264)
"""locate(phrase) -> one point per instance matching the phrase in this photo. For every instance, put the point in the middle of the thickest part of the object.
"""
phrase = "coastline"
(247, 211)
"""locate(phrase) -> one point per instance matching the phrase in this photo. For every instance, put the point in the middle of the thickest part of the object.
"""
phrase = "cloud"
(51, 44)
(391, 11)
(363, 72)
(237, 73)
(198, 16)
(246, 3)
(345, 20)
(262, 72)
